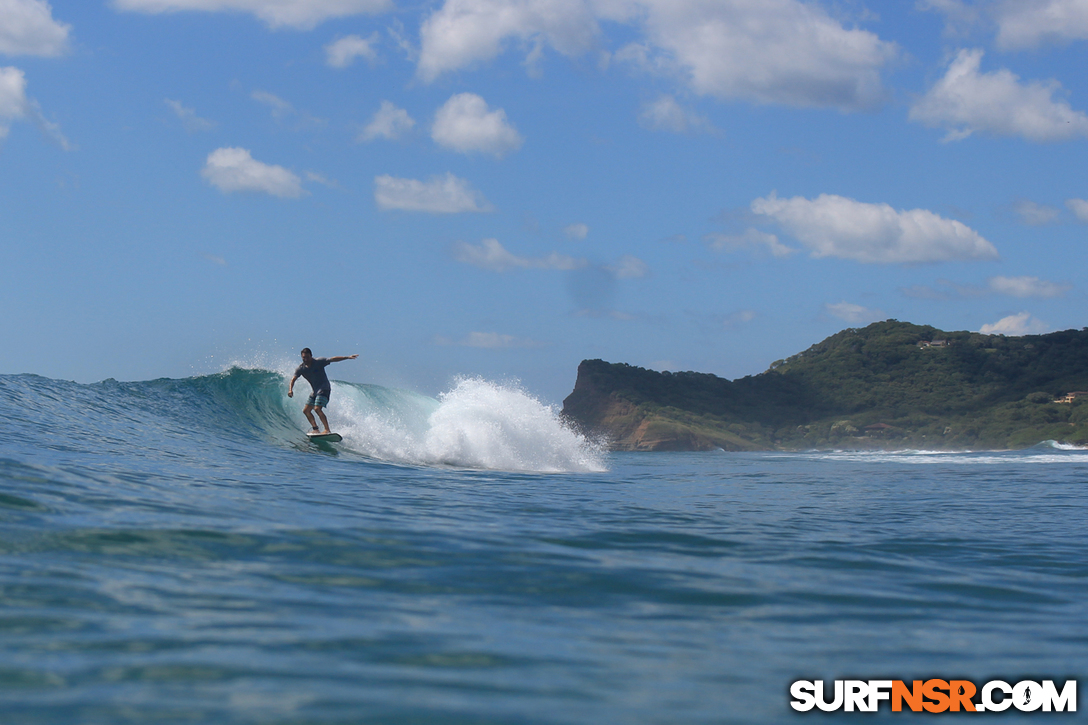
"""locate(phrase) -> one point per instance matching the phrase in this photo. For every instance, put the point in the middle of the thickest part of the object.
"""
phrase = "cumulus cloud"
(966, 101)
(1031, 23)
(463, 33)
(1027, 287)
(235, 169)
(27, 27)
(577, 231)
(665, 114)
(438, 195)
(490, 341)
(1015, 326)
(297, 14)
(389, 122)
(492, 256)
(750, 239)
(835, 226)
(342, 52)
(961, 17)
(466, 124)
(189, 119)
(1079, 207)
(1034, 214)
(16, 105)
(1020, 24)
(13, 101)
(854, 314)
(774, 51)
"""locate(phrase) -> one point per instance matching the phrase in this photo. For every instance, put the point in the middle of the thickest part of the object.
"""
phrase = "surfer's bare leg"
(308, 412)
(324, 420)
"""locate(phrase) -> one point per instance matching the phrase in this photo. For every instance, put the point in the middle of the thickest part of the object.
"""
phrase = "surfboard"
(325, 437)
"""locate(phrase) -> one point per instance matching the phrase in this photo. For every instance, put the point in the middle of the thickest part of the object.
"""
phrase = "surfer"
(313, 369)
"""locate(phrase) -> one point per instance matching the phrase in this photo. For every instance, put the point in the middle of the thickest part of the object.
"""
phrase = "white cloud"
(280, 107)
(317, 178)
(494, 257)
(16, 105)
(439, 195)
(298, 14)
(966, 101)
(342, 52)
(740, 317)
(774, 51)
(189, 119)
(665, 114)
(629, 267)
(1079, 207)
(1035, 214)
(283, 110)
(465, 124)
(463, 33)
(854, 314)
(27, 28)
(490, 341)
(960, 16)
(1015, 326)
(235, 169)
(750, 239)
(13, 101)
(576, 231)
(835, 226)
(1020, 23)
(389, 122)
(1027, 287)
(1031, 23)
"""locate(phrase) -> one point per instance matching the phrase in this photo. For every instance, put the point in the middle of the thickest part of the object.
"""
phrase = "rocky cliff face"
(600, 410)
(887, 386)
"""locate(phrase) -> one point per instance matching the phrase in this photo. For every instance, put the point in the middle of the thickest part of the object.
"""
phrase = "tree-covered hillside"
(891, 384)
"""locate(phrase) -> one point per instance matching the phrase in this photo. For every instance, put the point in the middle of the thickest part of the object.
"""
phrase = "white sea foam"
(1064, 446)
(477, 424)
(1048, 452)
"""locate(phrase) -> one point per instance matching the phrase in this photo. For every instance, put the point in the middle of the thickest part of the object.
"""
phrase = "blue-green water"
(176, 551)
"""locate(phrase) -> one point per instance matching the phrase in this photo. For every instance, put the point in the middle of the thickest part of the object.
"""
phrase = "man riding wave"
(313, 369)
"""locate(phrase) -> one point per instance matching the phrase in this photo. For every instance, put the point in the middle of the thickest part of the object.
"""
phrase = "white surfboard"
(325, 437)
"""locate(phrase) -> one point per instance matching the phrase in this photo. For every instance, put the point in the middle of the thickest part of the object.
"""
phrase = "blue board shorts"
(319, 399)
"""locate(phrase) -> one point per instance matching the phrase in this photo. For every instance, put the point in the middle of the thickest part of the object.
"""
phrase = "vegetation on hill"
(889, 385)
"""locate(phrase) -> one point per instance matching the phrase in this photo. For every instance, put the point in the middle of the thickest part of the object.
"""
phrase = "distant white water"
(1048, 452)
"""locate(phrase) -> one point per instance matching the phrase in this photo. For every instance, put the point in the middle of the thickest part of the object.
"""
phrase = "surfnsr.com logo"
(934, 696)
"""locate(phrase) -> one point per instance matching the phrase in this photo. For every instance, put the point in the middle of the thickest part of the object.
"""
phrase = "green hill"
(889, 385)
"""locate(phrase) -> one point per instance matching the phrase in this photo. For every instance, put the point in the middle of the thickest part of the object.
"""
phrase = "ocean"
(176, 551)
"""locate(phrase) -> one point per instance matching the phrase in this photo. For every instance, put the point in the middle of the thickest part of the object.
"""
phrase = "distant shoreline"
(891, 386)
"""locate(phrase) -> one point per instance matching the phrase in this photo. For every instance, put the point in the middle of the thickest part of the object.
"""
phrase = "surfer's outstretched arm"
(341, 358)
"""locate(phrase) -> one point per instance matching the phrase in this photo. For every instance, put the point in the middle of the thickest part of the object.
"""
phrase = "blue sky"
(503, 188)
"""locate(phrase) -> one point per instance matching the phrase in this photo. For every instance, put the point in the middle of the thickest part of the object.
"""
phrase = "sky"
(503, 188)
